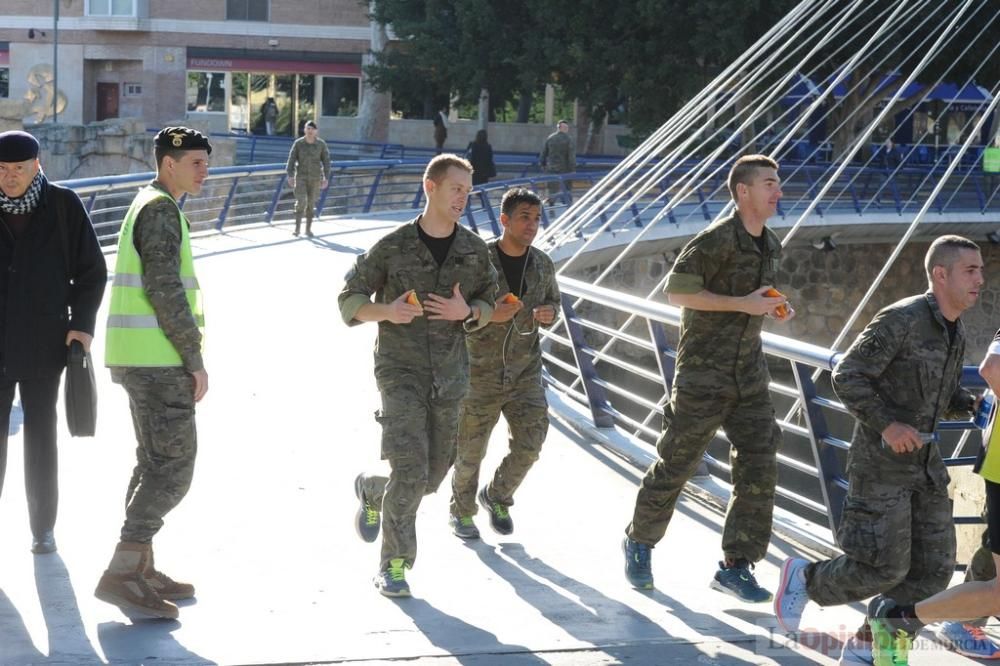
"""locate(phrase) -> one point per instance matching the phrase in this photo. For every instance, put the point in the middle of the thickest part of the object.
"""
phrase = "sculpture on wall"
(41, 91)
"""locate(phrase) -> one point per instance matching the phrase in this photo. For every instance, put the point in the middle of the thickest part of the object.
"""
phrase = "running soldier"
(899, 377)
(431, 266)
(506, 371)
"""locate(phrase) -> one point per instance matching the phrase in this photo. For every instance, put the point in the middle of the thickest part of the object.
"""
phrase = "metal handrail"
(818, 468)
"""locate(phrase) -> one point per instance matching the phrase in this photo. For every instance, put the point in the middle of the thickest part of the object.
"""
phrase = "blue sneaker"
(391, 582)
(791, 598)
(739, 581)
(968, 640)
(638, 564)
(368, 519)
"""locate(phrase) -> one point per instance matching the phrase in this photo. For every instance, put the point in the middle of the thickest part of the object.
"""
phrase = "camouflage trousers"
(418, 441)
(898, 540)
(162, 404)
(307, 191)
(526, 412)
(690, 421)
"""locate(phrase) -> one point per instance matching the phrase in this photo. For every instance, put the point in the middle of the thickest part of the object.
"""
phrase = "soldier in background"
(308, 171)
(558, 156)
(899, 377)
(721, 280)
(433, 282)
(506, 371)
(52, 278)
(154, 350)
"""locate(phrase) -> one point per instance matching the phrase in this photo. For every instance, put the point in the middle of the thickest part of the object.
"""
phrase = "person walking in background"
(52, 279)
(901, 376)
(558, 156)
(722, 281)
(270, 113)
(308, 170)
(480, 155)
(505, 359)
(432, 282)
(154, 349)
(440, 131)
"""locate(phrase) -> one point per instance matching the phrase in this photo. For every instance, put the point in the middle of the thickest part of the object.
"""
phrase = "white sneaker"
(791, 597)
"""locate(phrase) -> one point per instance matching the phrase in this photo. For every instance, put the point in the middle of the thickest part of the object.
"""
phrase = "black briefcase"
(80, 392)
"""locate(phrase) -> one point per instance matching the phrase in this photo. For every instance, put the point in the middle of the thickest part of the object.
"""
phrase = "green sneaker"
(368, 519)
(391, 582)
(463, 527)
(889, 648)
(500, 519)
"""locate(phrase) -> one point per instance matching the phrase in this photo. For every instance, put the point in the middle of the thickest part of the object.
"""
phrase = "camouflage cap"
(182, 138)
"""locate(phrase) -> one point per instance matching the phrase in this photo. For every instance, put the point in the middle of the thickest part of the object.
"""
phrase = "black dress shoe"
(44, 543)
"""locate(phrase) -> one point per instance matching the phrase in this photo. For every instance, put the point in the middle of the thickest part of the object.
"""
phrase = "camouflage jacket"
(424, 350)
(500, 354)
(308, 160)
(719, 347)
(903, 367)
(558, 153)
(157, 239)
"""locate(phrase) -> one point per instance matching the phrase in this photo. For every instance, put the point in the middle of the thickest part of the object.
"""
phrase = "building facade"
(216, 62)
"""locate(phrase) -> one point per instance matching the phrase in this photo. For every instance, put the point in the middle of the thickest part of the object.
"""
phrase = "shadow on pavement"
(450, 633)
(145, 642)
(68, 642)
(16, 646)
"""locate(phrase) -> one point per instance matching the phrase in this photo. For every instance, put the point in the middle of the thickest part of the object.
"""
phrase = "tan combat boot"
(124, 585)
(164, 585)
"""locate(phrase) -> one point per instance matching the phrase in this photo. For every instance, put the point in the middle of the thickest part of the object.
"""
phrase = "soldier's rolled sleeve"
(365, 278)
(855, 379)
(325, 160)
(552, 298)
(695, 266)
(157, 239)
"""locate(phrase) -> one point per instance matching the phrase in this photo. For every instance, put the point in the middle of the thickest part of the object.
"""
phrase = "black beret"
(17, 146)
(182, 138)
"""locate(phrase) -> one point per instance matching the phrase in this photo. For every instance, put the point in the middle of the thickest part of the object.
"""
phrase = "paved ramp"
(267, 535)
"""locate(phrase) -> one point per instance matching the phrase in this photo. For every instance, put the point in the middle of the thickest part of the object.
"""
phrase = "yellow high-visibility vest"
(134, 337)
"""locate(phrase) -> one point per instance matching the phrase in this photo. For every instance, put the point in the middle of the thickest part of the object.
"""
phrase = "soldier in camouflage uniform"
(433, 282)
(154, 351)
(720, 280)
(899, 377)
(506, 362)
(558, 156)
(308, 172)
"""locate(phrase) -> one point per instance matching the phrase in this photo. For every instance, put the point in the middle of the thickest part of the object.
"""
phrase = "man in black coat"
(52, 279)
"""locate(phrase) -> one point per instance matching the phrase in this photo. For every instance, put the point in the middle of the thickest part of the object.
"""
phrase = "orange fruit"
(412, 299)
(781, 310)
(511, 298)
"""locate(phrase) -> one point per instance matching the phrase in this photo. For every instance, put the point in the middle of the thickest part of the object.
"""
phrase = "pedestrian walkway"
(267, 534)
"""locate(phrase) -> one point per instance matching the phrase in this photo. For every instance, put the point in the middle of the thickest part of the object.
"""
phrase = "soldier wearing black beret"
(52, 279)
(155, 332)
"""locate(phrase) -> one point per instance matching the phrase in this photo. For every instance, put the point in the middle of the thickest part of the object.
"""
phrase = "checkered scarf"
(27, 202)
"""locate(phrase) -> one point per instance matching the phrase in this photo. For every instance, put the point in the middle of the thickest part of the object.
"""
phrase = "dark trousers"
(41, 460)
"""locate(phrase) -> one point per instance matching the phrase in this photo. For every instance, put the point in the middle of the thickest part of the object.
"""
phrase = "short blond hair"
(438, 166)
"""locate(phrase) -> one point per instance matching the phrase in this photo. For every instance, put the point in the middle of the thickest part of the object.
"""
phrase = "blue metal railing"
(627, 391)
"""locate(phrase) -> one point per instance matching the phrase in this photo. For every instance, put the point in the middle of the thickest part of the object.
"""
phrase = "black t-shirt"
(952, 327)
(438, 246)
(513, 270)
(761, 242)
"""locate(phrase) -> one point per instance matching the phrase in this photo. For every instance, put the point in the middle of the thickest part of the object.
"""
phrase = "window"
(247, 10)
(132, 90)
(340, 96)
(4, 82)
(111, 8)
(206, 91)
